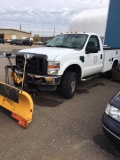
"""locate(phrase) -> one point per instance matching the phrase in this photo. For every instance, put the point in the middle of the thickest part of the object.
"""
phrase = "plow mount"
(15, 100)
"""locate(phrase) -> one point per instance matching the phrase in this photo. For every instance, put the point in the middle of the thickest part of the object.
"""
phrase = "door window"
(94, 42)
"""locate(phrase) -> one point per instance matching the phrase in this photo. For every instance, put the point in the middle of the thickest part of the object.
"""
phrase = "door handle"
(101, 56)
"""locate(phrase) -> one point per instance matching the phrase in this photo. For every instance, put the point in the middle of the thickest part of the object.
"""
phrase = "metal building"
(112, 35)
(13, 34)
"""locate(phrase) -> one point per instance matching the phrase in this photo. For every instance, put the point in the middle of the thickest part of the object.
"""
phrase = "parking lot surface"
(61, 129)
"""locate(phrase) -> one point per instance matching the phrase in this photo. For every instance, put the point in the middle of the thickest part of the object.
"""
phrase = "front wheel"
(69, 83)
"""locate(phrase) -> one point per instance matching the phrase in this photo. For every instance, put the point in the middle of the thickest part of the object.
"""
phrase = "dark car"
(13, 41)
(24, 42)
(111, 119)
(1, 40)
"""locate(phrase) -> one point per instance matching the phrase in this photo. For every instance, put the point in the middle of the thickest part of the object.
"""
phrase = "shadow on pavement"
(46, 102)
(106, 145)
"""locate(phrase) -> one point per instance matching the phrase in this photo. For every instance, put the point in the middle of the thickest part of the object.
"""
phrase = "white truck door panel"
(93, 62)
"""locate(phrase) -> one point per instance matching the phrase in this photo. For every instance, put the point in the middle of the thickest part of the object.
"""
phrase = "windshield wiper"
(62, 46)
(49, 46)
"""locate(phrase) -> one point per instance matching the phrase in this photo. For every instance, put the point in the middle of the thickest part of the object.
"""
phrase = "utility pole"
(20, 27)
(54, 31)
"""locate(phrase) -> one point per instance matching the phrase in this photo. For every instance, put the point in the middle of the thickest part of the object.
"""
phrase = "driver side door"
(93, 61)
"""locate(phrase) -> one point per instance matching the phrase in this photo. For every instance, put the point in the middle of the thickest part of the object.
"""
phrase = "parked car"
(18, 42)
(39, 43)
(13, 41)
(24, 42)
(111, 119)
(7, 40)
(1, 40)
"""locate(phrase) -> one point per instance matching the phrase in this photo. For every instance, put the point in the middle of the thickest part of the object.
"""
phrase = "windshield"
(68, 41)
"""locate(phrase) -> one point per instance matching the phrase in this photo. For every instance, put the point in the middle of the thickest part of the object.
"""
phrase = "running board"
(89, 78)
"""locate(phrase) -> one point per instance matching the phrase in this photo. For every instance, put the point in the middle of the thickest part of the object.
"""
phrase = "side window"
(94, 41)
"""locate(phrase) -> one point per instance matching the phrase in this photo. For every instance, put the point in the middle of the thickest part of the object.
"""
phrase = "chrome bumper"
(111, 133)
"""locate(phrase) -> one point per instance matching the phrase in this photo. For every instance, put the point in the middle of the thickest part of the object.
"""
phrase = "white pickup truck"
(65, 60)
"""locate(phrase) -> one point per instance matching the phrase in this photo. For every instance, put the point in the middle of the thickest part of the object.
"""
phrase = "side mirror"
(91, 50)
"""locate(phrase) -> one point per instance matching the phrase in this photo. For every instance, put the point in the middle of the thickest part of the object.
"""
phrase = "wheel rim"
(73, 84)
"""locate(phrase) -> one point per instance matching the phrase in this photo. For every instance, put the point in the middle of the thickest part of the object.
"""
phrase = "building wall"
(112, 35)
(7, 36)
(8, 33)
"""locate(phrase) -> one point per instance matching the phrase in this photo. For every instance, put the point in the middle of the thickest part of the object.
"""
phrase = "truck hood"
(51, 52)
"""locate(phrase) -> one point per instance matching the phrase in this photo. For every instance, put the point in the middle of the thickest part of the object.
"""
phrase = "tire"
(108, 74)
(116, 73)
(69, 83)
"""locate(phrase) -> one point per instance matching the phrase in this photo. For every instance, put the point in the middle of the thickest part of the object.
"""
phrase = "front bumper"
(44, 80)
(111, 128)
(41, 80)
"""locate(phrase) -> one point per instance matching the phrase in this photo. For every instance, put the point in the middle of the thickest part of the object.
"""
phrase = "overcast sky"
(44, 17)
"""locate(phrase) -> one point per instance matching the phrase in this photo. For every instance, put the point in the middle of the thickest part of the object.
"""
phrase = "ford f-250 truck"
(65, 60)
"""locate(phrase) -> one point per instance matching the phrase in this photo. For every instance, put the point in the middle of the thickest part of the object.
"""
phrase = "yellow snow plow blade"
(18, 102)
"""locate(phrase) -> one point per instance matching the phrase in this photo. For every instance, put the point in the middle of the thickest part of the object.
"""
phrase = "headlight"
(113, 112)
(53, 67)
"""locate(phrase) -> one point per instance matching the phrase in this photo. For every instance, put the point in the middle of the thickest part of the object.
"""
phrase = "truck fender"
(68, 64)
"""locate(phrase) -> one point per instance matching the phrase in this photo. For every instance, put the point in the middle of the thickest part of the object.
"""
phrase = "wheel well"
(74, 68)
(115, 62)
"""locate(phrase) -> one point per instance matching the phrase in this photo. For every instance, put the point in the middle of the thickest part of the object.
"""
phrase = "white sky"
(44, 17)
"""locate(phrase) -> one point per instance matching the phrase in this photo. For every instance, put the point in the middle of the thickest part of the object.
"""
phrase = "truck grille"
(36, 65)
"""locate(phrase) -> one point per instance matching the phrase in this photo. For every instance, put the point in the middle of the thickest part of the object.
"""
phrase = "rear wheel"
(109, 73)
(69, 84)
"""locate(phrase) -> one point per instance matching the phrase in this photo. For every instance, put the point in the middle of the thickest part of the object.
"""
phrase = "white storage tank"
(90, 21)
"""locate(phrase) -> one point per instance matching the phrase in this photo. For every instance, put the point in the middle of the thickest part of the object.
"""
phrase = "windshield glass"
(68, 41)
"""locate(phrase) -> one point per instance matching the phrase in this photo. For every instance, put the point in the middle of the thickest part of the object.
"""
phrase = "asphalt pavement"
(61, 129)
